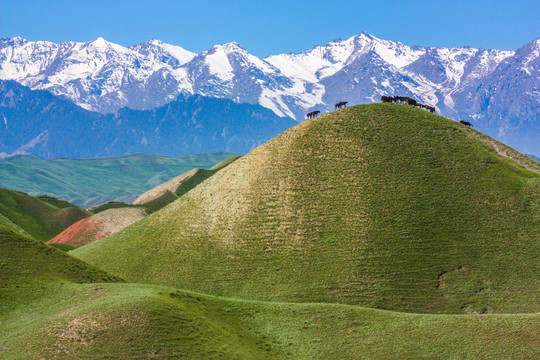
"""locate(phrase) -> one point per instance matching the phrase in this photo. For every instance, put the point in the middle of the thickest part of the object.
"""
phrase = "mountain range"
(498, 90)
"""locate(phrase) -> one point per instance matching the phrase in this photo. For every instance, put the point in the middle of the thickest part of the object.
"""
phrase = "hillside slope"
(41, 217)
(134, 321)
(54, 306)
(178, 186)
(25, 261)
(381, 205)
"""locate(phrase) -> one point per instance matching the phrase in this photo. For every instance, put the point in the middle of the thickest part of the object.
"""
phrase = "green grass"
(202, 175)
(25, 261)
(383, 205)
(89, 182)
(63, 247)
(110, 205)
(132, 321)
(39, 217)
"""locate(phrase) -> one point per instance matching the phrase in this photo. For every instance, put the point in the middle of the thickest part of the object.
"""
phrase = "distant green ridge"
(381, 205)
(89, 182)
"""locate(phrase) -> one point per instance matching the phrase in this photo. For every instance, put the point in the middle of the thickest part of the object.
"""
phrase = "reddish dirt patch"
(98, 226)
(82, 229)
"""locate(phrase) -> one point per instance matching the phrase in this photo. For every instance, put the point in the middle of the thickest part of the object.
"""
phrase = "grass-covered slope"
(54, 306)
(132, 321)
(25, 261)
(40, 217)
(163, 194)
(88, 182)
(98, 226)
(382, 205)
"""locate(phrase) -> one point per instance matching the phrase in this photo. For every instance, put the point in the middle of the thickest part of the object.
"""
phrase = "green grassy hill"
(25, 261)
(89, 182)
(41, 218)
(133, 321)
(382, 205)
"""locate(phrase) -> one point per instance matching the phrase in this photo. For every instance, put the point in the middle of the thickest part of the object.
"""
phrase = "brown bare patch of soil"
(98, 226)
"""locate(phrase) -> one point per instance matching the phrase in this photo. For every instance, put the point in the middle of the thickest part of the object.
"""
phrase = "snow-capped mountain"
(499, 90)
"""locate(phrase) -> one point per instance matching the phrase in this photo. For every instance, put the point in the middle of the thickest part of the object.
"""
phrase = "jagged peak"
(14, 40)
(155, 42)
(367, 35)
(535, 43)
(232, 46)
(98, 42)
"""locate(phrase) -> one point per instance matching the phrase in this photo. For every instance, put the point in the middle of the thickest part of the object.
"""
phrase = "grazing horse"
(341, 104)
(313, 114)
(466, 123)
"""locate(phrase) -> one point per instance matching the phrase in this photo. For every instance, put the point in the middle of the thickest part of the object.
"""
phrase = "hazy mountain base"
(536, 158)
(382, 205)
(40, 124)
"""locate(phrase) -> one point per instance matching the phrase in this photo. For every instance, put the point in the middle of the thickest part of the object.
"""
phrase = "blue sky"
(271, 27)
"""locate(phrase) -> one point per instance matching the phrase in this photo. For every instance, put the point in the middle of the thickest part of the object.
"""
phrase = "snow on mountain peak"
(17, 40)
(99, 42)
(161, 52)
(230, 47)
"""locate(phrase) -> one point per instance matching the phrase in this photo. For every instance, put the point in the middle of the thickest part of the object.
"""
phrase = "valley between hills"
(375, 231)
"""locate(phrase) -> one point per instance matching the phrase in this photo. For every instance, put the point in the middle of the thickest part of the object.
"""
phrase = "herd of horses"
(385, 99)
(406, 100)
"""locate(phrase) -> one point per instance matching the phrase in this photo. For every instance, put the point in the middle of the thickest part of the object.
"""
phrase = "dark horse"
(313, 114)
(341, 104)
(465, 123)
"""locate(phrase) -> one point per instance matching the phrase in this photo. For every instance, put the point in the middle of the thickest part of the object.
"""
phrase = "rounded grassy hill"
(42, 217)
(381, 205)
